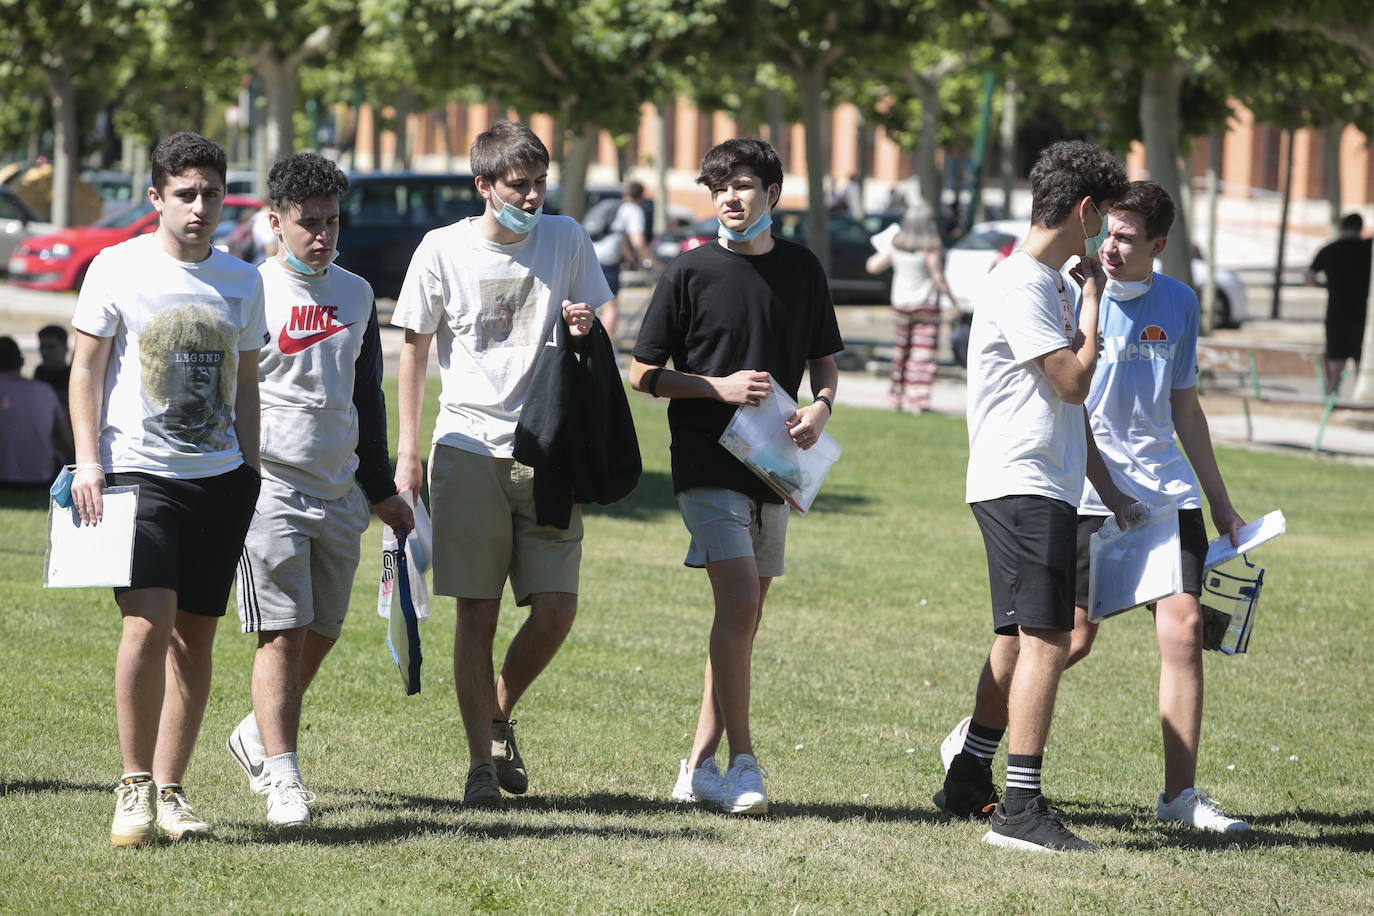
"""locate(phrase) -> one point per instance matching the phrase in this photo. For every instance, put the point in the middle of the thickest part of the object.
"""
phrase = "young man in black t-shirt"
(1343, 268)
(730, 315)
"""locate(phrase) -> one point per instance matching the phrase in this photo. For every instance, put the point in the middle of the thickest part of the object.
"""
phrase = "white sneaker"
(954, 742)
(135, 817)
(288, 803)
(176, 817)
(252, 756)
(704, 784)
(744, 787)
(1194, 808)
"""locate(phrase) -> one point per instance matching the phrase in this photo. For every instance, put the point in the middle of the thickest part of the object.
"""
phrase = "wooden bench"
(1269, 372)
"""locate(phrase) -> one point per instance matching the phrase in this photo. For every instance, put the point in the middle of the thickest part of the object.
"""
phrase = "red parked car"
(59, 261)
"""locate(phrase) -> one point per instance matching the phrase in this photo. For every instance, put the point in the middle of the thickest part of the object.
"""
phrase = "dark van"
(385, 214)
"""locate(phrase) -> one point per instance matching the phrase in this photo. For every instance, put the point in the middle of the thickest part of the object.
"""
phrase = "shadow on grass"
(27, 786)
(402, 816)
(1351, 831)
(12, 497)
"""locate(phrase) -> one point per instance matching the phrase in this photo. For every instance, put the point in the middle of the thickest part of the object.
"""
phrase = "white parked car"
(968, 261)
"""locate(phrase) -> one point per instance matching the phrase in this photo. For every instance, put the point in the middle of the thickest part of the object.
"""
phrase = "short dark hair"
(1154, 205)
(1068, 171)
(299, 177)
(181, 152)
(504, 147)
(725, 159)
(55, 331)
(1352, 222)
(635, 189)
(10, 357)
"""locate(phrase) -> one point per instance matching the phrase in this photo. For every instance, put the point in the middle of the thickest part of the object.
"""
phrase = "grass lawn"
(868, 654)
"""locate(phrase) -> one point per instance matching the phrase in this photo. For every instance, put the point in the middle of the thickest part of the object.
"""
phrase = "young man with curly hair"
(324, 462)
(1030, 367)
(164, 396)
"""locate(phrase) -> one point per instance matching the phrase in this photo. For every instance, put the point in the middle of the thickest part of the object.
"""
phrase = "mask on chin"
(1126, 290)
(514, 218)
(747, 235)
(300, 266)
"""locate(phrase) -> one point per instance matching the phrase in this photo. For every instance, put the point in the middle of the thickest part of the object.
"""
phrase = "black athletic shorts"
(1030, 544)
(1192, 540)
(189, 534)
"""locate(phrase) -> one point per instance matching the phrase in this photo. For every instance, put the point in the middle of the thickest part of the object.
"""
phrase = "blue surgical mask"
(300, 266)
(514, 218)
(1093, 242)
(748, 235)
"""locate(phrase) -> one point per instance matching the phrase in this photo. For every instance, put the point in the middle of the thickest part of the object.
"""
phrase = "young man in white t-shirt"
(1143, 393)
(324, 462)
(1030, 367)
(626, 237)
(164, 396)
(490, 289)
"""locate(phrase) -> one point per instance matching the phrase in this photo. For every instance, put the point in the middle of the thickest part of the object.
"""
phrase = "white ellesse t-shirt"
(1022, 439)
(491, 308)
(1149, 352)
(178, 329)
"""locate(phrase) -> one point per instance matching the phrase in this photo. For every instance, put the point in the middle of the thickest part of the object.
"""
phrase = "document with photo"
(758, 436)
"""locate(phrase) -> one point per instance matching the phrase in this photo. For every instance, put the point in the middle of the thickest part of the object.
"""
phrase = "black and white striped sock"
(1023, 781)
(981, 742)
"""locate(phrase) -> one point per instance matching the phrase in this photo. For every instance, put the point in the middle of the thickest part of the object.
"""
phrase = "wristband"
(96, 466)
(826, 401)
(653, 381)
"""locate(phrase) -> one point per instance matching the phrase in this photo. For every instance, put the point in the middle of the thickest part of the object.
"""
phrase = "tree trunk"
(65, 143)
(282, 88)
(405, 104)
(573, 178)
(1007, 143)
(1283, 226)
(661, 169)
(1160, 119)
(1209, 290)
(1331, 167)
(927, 173)
(813, 114)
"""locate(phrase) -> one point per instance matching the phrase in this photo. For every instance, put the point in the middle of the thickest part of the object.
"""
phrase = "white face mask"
(1126, 290)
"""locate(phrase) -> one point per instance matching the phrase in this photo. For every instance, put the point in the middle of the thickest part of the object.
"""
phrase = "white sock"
(284, 767)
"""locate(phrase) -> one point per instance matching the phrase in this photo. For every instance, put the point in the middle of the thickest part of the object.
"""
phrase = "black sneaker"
(1038, 828)
(482, 790)
(510, 769)
(968, 792)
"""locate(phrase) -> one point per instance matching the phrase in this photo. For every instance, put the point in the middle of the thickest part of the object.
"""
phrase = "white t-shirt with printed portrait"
(1023, 439)
(491, 308)
(172, 376)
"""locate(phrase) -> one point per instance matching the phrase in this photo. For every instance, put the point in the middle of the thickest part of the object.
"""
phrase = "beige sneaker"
(176, 818)
(134, 818)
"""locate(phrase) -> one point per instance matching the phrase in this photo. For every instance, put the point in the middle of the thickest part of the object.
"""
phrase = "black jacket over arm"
(575, 428)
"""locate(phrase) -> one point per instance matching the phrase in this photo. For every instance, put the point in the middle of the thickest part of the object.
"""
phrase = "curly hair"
(187, 329)
(181, 152)
(299, 177)
(727, 158)
(1153, 203)
(504, 147)
(1068, 171)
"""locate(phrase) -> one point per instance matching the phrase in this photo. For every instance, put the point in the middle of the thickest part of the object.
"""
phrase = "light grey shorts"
(299, 559)
(485, 530)
(725, 524)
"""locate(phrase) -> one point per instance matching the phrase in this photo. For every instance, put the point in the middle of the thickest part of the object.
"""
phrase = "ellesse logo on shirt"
(308, 325)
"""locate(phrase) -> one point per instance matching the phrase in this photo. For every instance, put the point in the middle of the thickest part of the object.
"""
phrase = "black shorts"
(1030, 545)
(189, 534)
(1192, 540)
(612, 274)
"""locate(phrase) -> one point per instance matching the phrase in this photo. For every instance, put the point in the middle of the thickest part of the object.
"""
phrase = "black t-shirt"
(715, 312)
(1346, 265)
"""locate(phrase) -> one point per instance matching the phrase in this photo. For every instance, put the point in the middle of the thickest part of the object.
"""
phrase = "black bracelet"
(653, 381)
(825, 400)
